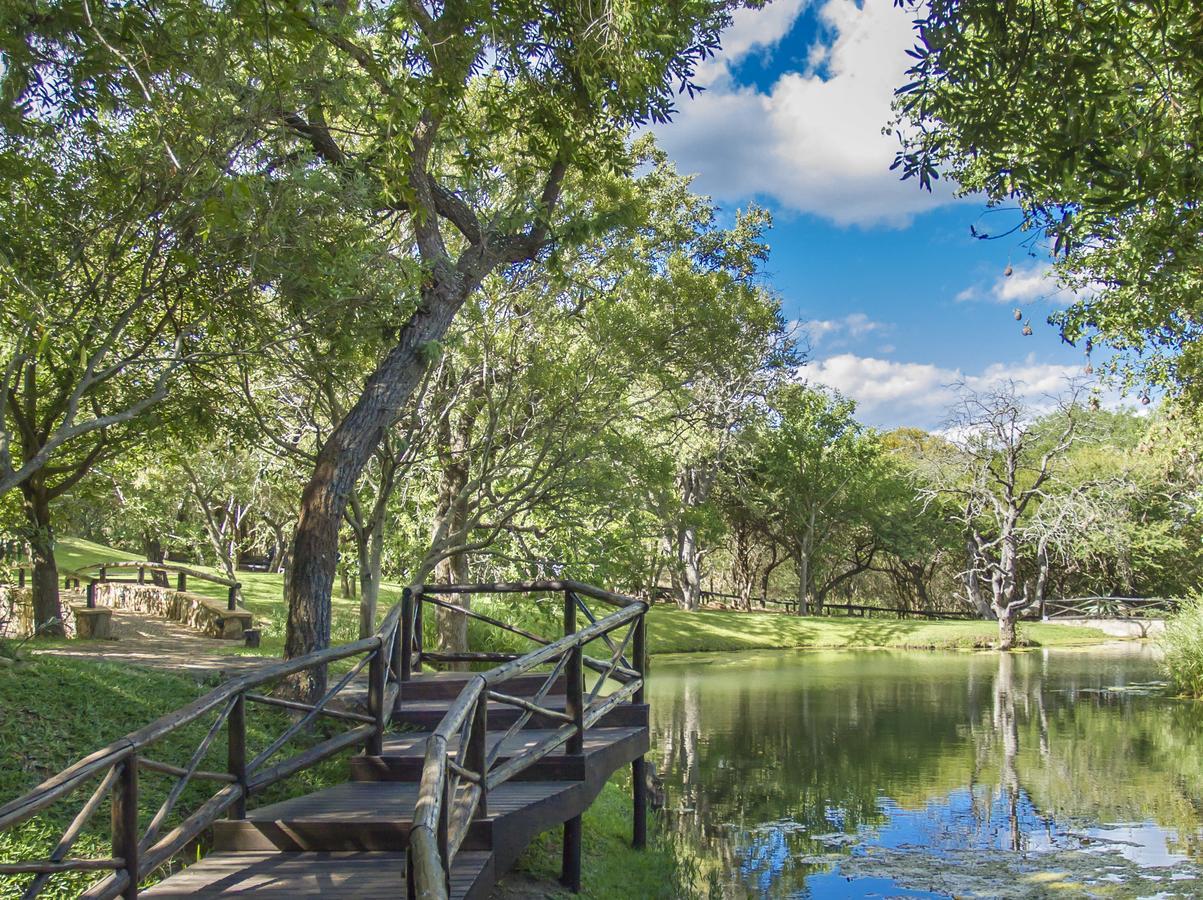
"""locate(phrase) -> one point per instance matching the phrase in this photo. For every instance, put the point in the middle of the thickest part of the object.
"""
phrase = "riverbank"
(671, 630)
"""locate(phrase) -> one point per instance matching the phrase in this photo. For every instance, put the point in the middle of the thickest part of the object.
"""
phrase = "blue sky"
(897, 300)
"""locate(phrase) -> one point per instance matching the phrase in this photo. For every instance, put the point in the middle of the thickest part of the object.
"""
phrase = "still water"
(882, 774)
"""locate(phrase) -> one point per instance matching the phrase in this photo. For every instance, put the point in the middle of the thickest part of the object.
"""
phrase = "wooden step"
(374, 816)
(448, 685)
(350, 875)
(425, 715)
(605, 750)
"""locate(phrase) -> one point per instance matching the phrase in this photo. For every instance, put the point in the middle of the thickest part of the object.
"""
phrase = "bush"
(1183, 647)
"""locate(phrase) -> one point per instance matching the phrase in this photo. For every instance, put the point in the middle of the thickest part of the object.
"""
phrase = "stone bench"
(93, 623)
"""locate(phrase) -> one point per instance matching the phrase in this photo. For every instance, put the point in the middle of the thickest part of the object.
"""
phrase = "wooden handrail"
(443, 811)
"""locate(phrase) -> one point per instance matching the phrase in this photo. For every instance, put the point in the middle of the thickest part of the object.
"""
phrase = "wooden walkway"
(459, 771)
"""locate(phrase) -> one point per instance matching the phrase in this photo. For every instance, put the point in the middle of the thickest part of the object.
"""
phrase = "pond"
(885, 774)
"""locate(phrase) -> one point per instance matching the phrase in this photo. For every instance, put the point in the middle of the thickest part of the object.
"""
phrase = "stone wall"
(203, 614)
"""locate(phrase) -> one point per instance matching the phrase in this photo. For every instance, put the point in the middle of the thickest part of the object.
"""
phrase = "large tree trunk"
(803, 567)
(1006, 630)
(47, 610)
(338, 467)
(689, 568)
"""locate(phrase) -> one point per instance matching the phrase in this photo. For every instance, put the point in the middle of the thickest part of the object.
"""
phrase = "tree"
(817, 483)
(1088, 116)
(996, 471)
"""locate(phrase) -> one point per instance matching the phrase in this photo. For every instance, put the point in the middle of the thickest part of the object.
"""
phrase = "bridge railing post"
(639, 766)
(406, 643)
(574, 700)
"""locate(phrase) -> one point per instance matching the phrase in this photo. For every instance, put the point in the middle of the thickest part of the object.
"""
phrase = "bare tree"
(999, 466)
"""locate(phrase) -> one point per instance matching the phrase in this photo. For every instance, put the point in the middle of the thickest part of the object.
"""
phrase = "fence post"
(141, 575)
(102, 573)
(639, 766)
(574, 672)
(91, 597)
(125, 821)
(475, 758)
(377, 671)
(418, 635)
(21, 576)
(236, 755)
(232, 601)
(406, 639)
(181, 582)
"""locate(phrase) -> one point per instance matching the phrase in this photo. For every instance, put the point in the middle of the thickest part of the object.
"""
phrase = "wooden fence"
(1111, 608)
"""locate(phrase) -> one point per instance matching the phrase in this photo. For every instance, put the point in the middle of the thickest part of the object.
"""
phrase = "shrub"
(1182, 643)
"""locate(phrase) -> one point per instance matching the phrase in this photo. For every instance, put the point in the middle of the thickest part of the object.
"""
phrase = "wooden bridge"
(458, 770)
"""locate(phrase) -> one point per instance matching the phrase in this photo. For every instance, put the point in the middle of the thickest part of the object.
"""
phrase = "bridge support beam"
(639, 798)
(570, 870)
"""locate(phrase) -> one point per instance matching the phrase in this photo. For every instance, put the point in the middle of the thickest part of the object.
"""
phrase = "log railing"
(1110, 607)
(460, 769)
(139, 848)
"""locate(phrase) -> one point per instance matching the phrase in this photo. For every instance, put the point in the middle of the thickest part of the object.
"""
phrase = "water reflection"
(925, 774)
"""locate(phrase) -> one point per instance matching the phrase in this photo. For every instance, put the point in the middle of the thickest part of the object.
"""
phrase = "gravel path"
(153, 642)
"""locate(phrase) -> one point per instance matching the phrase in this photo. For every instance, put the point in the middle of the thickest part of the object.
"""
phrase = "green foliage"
(1088, 116)
(1182, 644)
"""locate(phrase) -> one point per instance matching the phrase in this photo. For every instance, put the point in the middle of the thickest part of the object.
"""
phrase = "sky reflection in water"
(930, 774)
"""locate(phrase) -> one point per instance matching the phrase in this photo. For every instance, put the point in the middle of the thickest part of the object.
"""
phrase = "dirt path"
(153, 642)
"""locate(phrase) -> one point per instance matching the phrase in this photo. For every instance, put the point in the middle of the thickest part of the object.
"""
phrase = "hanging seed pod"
(1008, 271)
(1088, 370)
(1089, 345)
(1027, 328)
(1144, 400)
(1017, 313)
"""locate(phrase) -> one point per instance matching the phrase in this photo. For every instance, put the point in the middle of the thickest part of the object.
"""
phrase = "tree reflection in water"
(798, 772)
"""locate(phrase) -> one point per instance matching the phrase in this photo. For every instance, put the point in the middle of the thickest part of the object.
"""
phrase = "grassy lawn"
(670, 630)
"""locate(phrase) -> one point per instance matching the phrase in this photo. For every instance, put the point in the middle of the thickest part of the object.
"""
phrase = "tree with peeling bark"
(998, 468)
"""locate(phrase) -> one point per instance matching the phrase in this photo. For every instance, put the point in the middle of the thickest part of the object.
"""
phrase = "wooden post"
(574, 672)
(91, 600)
(418, 637)
(125, 821)
(639, 766)
(639, 796)
(444, 831)
(475, 759)
(377, 672)
(236, 756)
(570, 868)
(232, 601)
(21, 576)
(407, 635)
(141, 575)
(102, 573)
(181, 582)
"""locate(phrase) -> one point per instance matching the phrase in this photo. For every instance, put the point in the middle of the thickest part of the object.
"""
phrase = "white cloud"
(1035, 283)
(889, 394)
(841, 331)
(814, 142)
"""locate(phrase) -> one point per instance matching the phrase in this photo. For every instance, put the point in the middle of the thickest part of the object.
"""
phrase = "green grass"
(671, 630)
(610, 868)
(1182, 645)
